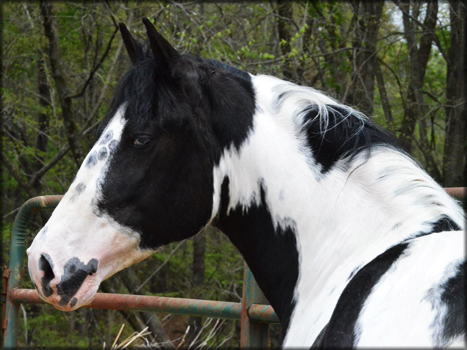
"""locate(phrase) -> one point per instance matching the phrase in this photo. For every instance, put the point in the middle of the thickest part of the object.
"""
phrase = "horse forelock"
(148, 94)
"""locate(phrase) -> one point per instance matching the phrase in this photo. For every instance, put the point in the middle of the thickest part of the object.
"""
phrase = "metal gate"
(253, 312)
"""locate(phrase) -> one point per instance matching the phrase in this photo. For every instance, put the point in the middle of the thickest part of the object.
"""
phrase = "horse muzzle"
(76, 285)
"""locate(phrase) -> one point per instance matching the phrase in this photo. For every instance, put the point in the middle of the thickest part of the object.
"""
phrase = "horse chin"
(88, 290)
(83, 297)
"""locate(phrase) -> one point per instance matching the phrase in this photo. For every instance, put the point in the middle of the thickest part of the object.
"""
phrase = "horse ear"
(163, 52)
(134, 48)
(165, 56)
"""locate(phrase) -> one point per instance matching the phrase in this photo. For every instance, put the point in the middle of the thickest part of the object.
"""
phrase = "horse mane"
(333, 131)
(229, 69)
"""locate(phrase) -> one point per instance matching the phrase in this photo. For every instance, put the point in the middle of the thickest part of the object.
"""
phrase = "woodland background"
(403, 63)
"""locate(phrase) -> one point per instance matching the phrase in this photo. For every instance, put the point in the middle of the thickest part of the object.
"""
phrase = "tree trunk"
(367, 18)
(42, 119)
(43, 124)
(131, 281)
(58, 74)
(199, 249)
(384, 95)
(419, 53)
(284, 15)
(455, 146)
(333, 61)
(133, 317)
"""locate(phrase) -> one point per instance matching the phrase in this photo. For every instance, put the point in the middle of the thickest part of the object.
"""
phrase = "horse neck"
(300, 230)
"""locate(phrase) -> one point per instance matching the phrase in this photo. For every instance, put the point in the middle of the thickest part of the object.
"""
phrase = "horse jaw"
(69, 277)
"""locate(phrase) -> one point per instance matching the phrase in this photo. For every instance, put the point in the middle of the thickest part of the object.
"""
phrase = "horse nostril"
(45, 264)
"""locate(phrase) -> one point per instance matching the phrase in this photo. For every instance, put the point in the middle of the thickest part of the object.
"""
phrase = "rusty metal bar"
(262, 313)
(457, 192)
(180, 306)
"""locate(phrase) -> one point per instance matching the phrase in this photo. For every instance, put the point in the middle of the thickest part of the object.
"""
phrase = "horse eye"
(141, 142)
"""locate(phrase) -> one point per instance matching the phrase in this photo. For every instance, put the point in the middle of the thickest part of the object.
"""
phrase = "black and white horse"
(352, 243)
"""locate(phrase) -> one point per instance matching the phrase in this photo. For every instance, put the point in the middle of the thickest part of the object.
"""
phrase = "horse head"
(148, 180)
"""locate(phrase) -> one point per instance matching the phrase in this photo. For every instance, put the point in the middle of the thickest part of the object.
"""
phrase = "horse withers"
(352, 243)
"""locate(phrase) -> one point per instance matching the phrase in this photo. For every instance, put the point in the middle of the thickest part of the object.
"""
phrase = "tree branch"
(136, 290)
(397, 80)
(98, 65)
(383, 93)
(41, 172)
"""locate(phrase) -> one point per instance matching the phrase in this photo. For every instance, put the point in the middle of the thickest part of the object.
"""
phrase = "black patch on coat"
(225, 196)
(46, 265)
(319, 341)
(95, 203)
(75, 272)
(73, 302)
(80, 188)
(164, 190)
(352, 273)
(453, 296)
(113, 145)
(445, 223)
(99, 183)
(92, 160)
(345, 136)
(271, 255)
(108, 136)
(102, 153)
(340, 332)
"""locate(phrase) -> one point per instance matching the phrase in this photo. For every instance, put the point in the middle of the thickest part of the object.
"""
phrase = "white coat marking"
(87, 236)
(375, 211)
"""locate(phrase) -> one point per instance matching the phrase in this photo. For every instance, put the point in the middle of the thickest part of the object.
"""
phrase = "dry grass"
(209, 330)
(126, 342)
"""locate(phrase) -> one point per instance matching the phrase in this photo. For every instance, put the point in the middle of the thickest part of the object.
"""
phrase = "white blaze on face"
(75, 231)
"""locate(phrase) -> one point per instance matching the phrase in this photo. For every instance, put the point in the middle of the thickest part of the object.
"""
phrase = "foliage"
(318, 45)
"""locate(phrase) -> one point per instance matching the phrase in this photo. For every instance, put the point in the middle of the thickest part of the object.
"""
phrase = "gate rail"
(254, 313)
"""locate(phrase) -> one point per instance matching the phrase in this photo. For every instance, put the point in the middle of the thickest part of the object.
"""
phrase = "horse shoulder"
(410, 295)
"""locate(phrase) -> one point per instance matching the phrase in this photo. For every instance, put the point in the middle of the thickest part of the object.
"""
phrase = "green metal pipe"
(261, 313)
(254, 333)
(17, 252)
